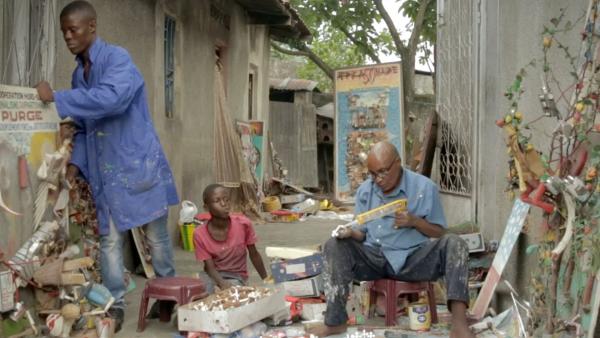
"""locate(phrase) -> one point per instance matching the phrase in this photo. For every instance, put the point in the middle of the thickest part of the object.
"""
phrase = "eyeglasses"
(380, 175)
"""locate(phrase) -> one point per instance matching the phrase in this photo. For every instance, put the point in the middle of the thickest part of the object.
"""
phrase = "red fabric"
(229, 255)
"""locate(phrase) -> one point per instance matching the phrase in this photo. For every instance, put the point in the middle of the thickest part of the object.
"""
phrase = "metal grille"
(455, 97)
(169, 66)
(27, 37)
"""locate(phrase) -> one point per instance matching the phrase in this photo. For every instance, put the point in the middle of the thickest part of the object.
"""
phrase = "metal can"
(419, 317)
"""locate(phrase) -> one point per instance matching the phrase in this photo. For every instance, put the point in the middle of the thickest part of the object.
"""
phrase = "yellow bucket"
(187, 236)
(419, 317)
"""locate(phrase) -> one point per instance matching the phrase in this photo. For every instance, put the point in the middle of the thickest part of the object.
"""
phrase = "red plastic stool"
(179, 289)
(392, 289)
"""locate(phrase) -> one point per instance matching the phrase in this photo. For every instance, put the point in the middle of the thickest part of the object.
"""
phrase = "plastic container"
(99, 295)
(187, 236)
(271, 203)
(308, 206)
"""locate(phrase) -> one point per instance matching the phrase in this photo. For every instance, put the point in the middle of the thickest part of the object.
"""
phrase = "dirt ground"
(299, 234)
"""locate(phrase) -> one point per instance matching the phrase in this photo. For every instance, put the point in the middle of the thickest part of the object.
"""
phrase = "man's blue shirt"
(423, 201)
(117, 148)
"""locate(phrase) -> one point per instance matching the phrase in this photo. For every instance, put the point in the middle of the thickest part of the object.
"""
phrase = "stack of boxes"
(300, 277)
(299, 271)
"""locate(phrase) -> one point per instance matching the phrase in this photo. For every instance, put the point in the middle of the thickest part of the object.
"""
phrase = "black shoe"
(118, 315)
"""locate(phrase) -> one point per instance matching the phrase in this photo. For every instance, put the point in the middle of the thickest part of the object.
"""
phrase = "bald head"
(384, 152)
(385, 166)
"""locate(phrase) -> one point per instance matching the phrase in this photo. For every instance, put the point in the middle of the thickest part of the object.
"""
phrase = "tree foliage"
(354, 32)
(334, 50)
(410, 9)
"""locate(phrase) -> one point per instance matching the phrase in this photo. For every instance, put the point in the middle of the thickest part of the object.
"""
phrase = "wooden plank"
(284, 132)
(307, 164)
(295, 187)
(428, 146)
(513, 228)
(593, 327)
(139, 239)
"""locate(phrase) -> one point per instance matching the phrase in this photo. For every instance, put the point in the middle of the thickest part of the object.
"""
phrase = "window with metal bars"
(169, 66)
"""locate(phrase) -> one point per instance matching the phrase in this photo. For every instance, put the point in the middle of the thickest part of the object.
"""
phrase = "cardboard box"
(230, 320)
(294, 269)
(7, 291)
(289, 252)
(296, 198)
(359, 301)
(313, 311)
(308, 287)
(475, 242)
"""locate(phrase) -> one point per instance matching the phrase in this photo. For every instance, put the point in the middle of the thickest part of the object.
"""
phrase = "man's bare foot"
(460, 328)
(461, 331)
(324, 330)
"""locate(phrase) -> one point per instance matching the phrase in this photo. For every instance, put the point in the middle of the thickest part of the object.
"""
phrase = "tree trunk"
(408, 76)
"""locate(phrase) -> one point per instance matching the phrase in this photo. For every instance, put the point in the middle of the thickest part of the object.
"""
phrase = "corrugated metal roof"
(327, 110)
(292, 84)
(279, 15)
(272, 8)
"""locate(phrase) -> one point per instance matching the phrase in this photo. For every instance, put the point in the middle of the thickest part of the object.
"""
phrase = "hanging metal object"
(548, 103)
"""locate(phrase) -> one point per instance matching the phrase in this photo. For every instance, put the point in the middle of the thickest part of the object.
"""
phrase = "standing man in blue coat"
(116, 148)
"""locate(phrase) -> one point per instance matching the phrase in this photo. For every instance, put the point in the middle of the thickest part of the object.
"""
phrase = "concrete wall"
(506, 36)
(510, 39)
(187, 137)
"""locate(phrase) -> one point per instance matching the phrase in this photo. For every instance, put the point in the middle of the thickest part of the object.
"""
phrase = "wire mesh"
(455, 101)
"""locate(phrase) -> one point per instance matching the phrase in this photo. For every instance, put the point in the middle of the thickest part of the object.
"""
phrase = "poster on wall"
(251, 133)
(28, 130)
(368, 109)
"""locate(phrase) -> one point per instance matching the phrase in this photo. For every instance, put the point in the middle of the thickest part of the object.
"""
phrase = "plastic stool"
(178, 289)
(392, 289)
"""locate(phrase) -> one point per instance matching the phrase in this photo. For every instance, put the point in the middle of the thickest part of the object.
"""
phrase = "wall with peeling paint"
(138, 26)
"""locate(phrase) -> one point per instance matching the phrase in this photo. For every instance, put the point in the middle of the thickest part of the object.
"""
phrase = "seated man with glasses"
(397, 246)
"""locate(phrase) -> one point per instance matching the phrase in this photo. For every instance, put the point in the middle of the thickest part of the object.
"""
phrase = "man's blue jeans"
(111, 256)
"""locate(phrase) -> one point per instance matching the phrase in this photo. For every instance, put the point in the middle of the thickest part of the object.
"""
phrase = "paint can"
(419, 317)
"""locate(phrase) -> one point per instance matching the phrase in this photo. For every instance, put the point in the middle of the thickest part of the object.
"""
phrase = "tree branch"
(318, 61)
(287, 51)
(365, 47)
(415, 36)
(360, 44)
(305, 51)
(400, 48)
